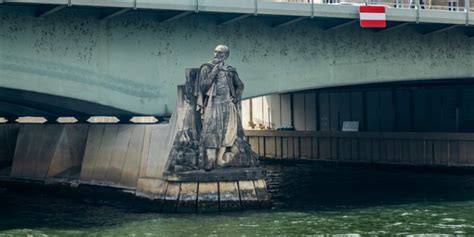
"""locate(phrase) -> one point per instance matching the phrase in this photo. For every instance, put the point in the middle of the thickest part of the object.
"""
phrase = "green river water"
(309, 199)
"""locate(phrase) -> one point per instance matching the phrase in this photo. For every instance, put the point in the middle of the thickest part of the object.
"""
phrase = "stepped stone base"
(202, 197)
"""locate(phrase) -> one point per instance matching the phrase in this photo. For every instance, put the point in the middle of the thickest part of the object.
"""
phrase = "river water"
(309, 199)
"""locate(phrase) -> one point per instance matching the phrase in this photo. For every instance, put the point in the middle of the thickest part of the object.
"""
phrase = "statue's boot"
(210, 159)
(222, 159)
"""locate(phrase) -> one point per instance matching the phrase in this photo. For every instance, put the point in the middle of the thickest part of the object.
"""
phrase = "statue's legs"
(220, 155)
(214, 157)
(210, 161)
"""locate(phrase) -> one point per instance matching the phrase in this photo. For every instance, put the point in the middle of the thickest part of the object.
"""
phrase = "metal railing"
(450, 5)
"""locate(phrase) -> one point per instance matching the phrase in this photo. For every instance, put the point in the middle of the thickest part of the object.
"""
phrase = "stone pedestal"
(214, 191)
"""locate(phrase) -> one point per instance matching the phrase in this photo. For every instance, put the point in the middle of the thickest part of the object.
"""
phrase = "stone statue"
(212, 135)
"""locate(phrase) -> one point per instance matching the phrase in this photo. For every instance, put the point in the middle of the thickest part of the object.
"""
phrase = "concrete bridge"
(130, 55)
(81, 58)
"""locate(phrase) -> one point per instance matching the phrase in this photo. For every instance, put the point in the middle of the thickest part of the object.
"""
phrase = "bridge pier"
(8, 136)
(128, 157)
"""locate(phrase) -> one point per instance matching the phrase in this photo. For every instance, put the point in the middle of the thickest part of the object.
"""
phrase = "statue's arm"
(205, 78)
(239, 86)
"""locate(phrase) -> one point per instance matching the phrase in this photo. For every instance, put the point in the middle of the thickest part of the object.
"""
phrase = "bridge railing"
(459, 6)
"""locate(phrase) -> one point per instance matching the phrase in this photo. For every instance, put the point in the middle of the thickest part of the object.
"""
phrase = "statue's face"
(221, 52)
(220, 55)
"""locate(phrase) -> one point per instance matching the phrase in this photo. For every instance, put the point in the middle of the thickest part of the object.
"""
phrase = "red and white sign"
(372, 17)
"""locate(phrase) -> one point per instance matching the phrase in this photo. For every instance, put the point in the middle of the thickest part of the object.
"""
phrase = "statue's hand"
(236, 100)
(215, 70)
(218, 67)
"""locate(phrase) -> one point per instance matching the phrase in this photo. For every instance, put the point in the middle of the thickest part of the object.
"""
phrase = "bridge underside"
(411, 123)
(17, 103)
(133, 62)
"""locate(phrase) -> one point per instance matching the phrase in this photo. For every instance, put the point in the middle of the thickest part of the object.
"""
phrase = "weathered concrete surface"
(160, 140)
(130, 156)
(8, 136)
(112, 155)
(44, 151)
(133, 62)
(119, 155)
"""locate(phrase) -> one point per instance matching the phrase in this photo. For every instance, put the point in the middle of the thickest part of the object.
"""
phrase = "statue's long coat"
(218, 101)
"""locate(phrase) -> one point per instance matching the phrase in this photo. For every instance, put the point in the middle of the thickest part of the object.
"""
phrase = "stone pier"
(127, 157)
(8, 136)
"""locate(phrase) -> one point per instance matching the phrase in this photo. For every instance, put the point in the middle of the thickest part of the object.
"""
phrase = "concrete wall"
(45, 151)
(115, 155)
(8, 136)
(134, 63)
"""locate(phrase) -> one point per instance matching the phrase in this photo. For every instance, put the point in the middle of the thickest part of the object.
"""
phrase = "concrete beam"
(176, 17)
(151, 90)
(341, 25)
(51, 11)
(441, 30)
(60, 105)
(286, 23)
(22, 110)
(8, 115)
(394, 27)
(116, 13)
(268, 8)
(232, 20)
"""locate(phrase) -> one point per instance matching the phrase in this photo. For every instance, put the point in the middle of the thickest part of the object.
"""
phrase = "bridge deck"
(259, 7)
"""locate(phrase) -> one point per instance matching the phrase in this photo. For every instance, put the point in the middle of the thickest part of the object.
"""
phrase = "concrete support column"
(8, 136)
(467, 9)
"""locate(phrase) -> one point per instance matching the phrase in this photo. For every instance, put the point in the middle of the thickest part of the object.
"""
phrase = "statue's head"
(221, 52)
